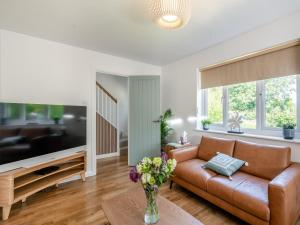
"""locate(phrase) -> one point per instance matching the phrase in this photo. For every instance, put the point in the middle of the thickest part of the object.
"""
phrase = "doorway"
(111, 115)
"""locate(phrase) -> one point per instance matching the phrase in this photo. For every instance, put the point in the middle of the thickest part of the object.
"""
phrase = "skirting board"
(87, 174)
(108, 155)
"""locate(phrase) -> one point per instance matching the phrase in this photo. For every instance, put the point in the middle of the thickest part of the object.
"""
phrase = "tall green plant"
(165, 130)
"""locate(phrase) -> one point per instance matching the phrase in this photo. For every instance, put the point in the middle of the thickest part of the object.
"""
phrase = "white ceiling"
(123, 27)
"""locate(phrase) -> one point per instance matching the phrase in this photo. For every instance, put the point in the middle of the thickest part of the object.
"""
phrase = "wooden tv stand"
(17, 185)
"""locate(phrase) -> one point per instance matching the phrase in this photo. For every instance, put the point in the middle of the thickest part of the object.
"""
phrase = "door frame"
(93, 111)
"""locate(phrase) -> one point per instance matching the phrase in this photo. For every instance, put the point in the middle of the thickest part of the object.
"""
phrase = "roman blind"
(278, 61)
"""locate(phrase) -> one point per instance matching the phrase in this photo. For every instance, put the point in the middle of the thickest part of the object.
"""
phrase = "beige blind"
(283, 60)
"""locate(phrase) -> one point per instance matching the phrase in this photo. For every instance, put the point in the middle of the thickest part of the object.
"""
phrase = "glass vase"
(151, 214)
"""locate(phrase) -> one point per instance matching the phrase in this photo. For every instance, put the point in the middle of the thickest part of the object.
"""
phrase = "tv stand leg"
(83, 176)
(5, 212)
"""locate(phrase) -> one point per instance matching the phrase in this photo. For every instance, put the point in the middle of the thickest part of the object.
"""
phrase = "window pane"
(36, 111)
(56, 111)
(242, 99)
(280, 101)
(215, 105)
(13, 110)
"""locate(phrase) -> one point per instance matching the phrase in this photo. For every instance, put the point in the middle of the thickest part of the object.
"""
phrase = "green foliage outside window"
(14, 111)
(215, 105)
(280, 101)
(242, 99)
(35, 111)
(56, 111)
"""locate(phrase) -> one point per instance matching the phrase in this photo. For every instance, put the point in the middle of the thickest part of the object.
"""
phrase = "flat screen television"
(30, 130)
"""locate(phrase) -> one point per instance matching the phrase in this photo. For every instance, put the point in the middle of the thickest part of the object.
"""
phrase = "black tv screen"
(30, 130)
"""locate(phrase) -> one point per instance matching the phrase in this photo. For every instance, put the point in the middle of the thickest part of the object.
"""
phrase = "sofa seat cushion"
(191, 171)
(223, 188)
(245, 191)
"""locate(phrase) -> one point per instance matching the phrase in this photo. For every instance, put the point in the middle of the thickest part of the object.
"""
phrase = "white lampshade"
(171, 14)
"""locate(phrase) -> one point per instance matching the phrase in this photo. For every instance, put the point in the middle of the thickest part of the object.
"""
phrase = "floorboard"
(78, 203)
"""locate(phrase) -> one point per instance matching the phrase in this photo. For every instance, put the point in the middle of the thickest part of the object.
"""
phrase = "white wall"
(40, 71)
(118, 87)
(179, 79)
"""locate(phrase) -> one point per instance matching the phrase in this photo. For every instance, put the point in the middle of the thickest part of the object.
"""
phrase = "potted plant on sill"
(205, 124)
(288, 130)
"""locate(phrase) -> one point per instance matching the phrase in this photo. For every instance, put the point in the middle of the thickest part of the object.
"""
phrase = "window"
(242, 99)
(264, 105)
(13, 110)
(215, 105)
(56, 111)
(280, 101)
(35, 111)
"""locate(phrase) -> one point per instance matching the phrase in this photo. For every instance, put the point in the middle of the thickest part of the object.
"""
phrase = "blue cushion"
(224, 164)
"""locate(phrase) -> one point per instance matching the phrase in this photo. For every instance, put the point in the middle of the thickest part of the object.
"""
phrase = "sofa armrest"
(184, 154)
(284, 196)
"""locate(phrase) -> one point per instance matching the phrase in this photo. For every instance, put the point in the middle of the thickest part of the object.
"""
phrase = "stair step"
(125, 148)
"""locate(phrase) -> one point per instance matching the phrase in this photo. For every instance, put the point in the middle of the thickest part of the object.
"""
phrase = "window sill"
(280, 139)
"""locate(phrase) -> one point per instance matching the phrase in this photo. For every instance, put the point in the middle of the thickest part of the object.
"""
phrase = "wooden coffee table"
(129, 209)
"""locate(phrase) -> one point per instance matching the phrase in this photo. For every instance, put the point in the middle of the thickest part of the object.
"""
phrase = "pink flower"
(164, 156)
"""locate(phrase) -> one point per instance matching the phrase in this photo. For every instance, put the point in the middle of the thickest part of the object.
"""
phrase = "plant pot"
(205, 127)
(56, 120)
(288, 133)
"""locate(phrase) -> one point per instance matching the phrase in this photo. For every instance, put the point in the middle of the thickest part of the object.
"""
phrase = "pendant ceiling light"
(171, 14)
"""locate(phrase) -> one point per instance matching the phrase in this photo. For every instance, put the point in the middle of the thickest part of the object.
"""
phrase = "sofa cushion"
(223, 188)
(209, 147)
(252, 196)
(34, 132)
(224, 164)
(8, 132)
(192, 172)
(264, 161)
(245, 191)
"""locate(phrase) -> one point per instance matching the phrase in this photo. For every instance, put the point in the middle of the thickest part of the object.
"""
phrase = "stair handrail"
(106, 92)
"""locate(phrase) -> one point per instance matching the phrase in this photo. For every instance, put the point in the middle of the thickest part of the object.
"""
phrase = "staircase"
(106, 123)
(123, 144)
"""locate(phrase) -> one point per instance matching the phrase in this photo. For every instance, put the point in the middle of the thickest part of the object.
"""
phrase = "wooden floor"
(80, 203)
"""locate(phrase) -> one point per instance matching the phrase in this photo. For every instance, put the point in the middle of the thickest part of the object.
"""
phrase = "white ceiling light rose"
(171, 14)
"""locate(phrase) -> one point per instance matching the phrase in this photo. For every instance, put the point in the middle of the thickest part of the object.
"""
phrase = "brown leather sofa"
(267, 191)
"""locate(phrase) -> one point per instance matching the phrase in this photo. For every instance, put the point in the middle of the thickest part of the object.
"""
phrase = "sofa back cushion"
(209, 147)
(264, 161)
(9, 132)
(34, 132)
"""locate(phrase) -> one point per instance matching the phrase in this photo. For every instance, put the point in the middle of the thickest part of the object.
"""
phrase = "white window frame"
(261, 127)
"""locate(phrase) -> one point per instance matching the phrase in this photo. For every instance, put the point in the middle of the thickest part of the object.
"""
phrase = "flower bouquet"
(152, 172)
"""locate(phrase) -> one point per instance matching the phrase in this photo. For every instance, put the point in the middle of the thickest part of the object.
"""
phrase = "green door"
(144, 111)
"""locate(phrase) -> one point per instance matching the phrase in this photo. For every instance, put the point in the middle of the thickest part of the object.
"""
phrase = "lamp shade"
(171, 14)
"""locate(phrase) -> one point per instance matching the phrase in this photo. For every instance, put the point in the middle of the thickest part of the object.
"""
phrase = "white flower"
(146, 161)
(146, 177)
(157, 161)
(139, 168)
(172, 164)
